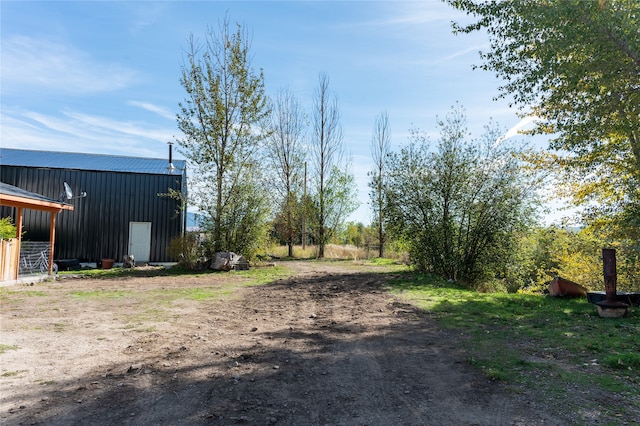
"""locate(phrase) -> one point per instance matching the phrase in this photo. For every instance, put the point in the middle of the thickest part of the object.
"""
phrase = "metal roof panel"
(81, 161)
(13, 196)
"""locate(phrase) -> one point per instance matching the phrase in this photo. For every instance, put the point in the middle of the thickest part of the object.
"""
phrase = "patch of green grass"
(4, 348)
(6, 295)
(153, 304)
(495, 369)
(34, 293)
(119, 272)
(505, 332)
(609, 383)
(150, 329)
(257, 276)
(622, 360)
(168, 296)
(157, 298)
(152, 314)
(202, 294)
(59, 327)
(100, 294)
(12, 373)
(381, 261)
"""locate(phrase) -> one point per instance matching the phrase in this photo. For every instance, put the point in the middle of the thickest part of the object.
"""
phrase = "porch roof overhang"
(13, 196)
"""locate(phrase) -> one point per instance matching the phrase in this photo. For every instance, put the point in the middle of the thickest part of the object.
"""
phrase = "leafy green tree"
(575, 64)
(458, 204)
(286, 154)
(380, 148)
(221, 119)
(340, 200)
(282, 225)
(245, 221)
(535, 260)
(335, 191)
(354, 234)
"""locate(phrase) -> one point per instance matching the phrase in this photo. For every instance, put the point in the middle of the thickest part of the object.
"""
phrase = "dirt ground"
(327, 346)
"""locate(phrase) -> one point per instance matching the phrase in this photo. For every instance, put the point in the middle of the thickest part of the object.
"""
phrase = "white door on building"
(140, 241)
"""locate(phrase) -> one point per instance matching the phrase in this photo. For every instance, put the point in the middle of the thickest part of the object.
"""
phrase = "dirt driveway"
(327, 346)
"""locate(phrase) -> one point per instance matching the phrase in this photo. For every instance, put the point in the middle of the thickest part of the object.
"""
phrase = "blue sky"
(103, 77)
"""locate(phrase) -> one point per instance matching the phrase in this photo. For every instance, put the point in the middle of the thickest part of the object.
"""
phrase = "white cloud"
(161, 111)
(127, 128)
(57, 67)
(143, 15)
(412, 13)
(466, 51)
(77, 132)
(515, 130)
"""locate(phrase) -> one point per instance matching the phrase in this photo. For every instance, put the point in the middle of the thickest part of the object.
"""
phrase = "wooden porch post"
(19, 225)
(19, 214)
(52, 239)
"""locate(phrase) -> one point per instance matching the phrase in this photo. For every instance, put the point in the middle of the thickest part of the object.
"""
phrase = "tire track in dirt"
(365, 358)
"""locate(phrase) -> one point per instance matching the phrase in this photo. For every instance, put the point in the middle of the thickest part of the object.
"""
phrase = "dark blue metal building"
(123, 212)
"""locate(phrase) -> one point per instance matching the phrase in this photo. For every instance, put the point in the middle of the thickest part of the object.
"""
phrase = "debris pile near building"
(227, 260)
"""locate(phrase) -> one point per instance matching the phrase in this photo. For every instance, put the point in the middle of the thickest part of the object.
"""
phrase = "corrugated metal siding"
(99, 225)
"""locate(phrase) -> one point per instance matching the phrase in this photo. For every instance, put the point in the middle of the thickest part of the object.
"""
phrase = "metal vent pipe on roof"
(171, 167)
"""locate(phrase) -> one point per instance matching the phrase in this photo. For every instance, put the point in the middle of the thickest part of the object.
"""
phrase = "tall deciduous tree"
(380, 148)
(286, 153)
(575, 62)
(220, 118)
(576, 65)
(334, 185)
(459, 203)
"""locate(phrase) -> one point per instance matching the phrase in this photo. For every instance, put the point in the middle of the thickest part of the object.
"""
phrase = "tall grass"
(334, 251)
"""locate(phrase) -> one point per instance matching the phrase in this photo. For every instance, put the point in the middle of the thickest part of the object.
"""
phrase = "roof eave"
(29, 203)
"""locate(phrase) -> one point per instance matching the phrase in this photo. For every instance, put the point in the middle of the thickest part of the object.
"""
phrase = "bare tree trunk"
(217, 231)
(287, 157)
(304, 210)
(380, 146)
(327, 153)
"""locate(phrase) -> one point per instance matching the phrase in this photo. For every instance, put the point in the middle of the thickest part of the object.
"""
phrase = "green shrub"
(187, 251)
(7, 228)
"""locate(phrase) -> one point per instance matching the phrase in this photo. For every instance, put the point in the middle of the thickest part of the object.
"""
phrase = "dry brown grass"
(331, 251)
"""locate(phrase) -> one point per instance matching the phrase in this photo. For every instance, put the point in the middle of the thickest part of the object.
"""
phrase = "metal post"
(610, 307)
(610, 275)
